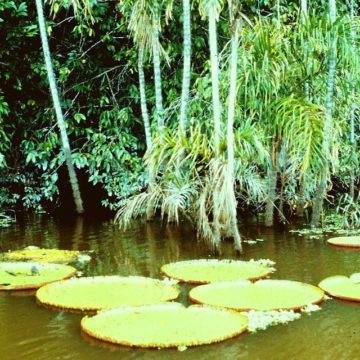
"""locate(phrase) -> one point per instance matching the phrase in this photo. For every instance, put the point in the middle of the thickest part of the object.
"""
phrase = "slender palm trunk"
(318, 202)
(144, 110)
(303, 8)
(58, 111)
(187, 65)
(353, 147)
(353, 106)
(145, 116)
(278, 12)
(272, 183)
(320, 192)
(270, 202)
(230, 138)
(302, 188)
(300, 204)
(303, 16)
(157, 76)
(216, 117)
(215, 78)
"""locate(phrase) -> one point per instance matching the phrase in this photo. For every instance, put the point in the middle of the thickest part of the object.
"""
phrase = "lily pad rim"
(204, 282)
(332, 242)
(40, 284)
(106, 339)
(62, 256)
(295, 308)
(336, 296)
(110, 278)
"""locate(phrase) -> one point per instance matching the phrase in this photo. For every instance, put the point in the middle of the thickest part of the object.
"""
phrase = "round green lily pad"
(26, 275)
(345, 241)
(165, 325)
(104, 292)
(342, 287)
(42, 255)
(263, 295)
(209, 271)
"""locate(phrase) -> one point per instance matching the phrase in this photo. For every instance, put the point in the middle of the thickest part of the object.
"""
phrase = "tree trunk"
(301, 193)
(320, 192)
(270, 203)
(304, 9)
(281, 197)
(215, 79)
(353, 147)
(144, 110)
(300, 204)
(303, 16)
(145, 116)
(58, 111)
(353, 107)
(157, 76)
(318, 203)
(187, 65)
(230, 138)
(278, 12)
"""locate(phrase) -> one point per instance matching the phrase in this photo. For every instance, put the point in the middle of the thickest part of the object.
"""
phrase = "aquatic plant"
(262, 295)
(104, 292)
(342, 287)
(345, 241)
(31, 275)
(204, 271)
(33, 253)
(176, 326)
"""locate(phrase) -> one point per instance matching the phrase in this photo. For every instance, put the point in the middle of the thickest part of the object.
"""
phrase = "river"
(31, 332)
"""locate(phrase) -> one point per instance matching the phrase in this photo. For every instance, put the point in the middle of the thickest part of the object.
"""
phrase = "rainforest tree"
(201, 110)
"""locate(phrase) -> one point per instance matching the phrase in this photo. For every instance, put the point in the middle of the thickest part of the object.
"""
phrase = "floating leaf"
(208, 271)
(26, 275)
(104, 292)
(345, 241)
(342, 287)
(166, 325)
(263, 295)
(41, 255)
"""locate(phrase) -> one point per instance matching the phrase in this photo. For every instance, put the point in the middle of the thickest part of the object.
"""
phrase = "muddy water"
(29, 331)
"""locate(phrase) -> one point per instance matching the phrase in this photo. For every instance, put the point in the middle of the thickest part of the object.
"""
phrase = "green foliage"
(348, 210)
(277, 123)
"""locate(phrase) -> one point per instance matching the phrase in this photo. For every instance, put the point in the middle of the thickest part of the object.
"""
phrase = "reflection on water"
(29, 331)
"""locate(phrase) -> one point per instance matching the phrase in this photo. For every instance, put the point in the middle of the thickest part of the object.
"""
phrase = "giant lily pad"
(345, 241)
(104, 292)
(263, 295)
(163, 326)
(342, 287)
(24, 275)
(208, 271)
(42, 255)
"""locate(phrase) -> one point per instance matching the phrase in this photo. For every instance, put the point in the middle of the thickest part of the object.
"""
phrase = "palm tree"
(303, 8)
(144, 110)
(145, 26)
(58, 110)
(156, 25)
(211, 9)
(320, 192)
(187, 65)
(230, 178)
(301, 196)
(140, 28)
(353, 106)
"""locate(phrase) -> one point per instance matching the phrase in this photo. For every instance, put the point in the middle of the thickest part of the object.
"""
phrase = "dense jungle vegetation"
(205, 110)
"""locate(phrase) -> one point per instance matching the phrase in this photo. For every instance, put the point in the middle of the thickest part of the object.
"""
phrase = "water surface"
(29, 331)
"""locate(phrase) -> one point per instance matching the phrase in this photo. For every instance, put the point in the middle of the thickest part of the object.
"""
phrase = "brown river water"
(29, 331)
